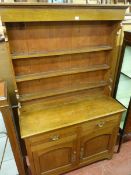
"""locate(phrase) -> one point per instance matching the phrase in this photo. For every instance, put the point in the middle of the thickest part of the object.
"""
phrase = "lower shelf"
(28, 97)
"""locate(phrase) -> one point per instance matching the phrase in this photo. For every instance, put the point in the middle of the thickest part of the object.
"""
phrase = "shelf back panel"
(43, 37)
(60, 83)
(59, 63)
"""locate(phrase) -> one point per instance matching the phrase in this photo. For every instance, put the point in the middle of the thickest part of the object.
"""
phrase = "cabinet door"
(97, 142)
(56, 156)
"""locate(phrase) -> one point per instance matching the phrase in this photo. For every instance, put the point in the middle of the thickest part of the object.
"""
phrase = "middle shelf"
(22, 78)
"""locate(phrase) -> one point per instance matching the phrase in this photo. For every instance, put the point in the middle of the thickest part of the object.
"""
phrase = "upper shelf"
(64, 52)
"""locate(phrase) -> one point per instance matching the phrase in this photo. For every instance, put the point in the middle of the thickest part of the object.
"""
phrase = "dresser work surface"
(35, 121)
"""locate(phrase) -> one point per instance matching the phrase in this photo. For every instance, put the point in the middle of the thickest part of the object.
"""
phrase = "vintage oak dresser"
(64, 61)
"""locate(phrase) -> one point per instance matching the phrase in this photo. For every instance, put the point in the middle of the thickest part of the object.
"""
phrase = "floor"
(8, 166)
(119, 165)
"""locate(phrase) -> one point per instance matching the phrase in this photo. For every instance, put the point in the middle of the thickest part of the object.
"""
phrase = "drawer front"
(100, 124)
(54, 137)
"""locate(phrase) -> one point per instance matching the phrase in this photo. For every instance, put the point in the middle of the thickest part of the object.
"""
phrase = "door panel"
(97, 143)
(56, 158)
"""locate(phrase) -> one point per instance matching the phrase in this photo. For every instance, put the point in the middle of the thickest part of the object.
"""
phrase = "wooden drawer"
(54, 137)
(100, 124)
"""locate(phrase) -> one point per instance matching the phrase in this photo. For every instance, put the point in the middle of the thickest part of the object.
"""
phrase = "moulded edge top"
(24, 12)
(59, 5)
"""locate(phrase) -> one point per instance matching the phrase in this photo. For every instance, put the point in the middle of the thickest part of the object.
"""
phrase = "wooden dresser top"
(38, 121)
(23, 12)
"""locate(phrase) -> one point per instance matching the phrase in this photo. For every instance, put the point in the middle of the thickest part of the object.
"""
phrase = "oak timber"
(64, 52)
(22, 78)
(64, 60)
(34, 122)
(25, 12)
(48, 93)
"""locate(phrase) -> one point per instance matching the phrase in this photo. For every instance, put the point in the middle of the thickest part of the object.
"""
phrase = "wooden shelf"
(64, 52)
(41, 75)
(49, 93)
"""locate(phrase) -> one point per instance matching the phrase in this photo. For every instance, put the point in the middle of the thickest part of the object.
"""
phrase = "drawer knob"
(55, 137)
(101, 124)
